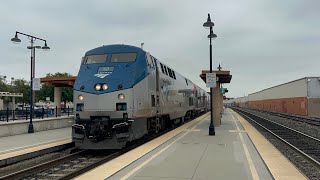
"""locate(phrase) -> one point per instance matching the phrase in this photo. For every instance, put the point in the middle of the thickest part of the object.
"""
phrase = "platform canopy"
(59, 81)
(223, 76)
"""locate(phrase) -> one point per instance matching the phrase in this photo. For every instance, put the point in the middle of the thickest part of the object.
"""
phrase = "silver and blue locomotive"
(123, 93)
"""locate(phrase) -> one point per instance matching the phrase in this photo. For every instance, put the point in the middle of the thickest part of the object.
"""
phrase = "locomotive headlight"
(98, 87)
(105, 86)
(80, 97)
(121, 96)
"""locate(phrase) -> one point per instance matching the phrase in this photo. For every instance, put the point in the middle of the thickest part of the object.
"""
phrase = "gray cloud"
(263, 43)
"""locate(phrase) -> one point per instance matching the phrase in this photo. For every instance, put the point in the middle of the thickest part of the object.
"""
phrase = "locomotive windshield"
(95, 59)
(124, 57)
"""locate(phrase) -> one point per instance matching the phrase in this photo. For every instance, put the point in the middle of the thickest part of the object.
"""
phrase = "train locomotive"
(123, 93)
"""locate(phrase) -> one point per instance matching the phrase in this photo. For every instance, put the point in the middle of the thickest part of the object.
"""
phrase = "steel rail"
(309, 120)
(43, 166)
(306, 156)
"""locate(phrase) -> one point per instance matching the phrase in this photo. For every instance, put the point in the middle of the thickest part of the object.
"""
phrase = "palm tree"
(12, 79)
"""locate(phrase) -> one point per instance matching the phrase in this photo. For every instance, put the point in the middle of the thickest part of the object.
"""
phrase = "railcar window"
(190, 101)
(124, 57)
(95, 59)
(162, 68)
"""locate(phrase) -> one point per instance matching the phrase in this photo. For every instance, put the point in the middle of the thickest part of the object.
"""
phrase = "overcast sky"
(262, 42)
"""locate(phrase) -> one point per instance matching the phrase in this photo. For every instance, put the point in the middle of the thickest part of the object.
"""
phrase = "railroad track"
(70, 166)
(303, 144)
(43, 166)
(73, 165)
(309, 120)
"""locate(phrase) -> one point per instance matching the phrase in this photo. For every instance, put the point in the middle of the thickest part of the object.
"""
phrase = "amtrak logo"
(102, 75)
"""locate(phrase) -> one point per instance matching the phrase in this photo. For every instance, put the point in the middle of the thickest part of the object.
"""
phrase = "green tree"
(16, 86)
(21, 86)
(4, 87)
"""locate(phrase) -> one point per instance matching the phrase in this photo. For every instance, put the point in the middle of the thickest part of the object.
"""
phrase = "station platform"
(18, 145)
(237, 151)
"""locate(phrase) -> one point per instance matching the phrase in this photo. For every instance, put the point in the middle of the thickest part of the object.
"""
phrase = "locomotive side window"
(162, 68)
(174, 75)
(149, 60)
(124, 57)
(95, 59)
(169, 71)
(155, 61)
(165, 70)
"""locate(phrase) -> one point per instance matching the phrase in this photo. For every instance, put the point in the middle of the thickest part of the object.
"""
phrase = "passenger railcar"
(123, 93)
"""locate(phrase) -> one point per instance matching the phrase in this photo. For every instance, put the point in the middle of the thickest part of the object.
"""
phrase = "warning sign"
(211, 80)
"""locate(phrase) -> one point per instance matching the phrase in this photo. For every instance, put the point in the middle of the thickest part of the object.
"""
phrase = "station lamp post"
(209, 25)
(33, 51)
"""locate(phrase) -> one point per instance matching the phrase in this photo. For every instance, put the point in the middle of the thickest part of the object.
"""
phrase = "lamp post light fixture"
(210, 24)
(32, 74)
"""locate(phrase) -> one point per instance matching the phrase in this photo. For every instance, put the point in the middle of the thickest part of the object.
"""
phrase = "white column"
(13, 106)
(13, 103)
(57, 99)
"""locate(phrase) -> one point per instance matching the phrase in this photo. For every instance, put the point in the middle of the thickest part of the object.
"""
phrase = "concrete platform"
(18, 145)
(191, 154)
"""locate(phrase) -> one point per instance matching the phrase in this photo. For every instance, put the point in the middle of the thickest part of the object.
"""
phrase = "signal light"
(223, 90)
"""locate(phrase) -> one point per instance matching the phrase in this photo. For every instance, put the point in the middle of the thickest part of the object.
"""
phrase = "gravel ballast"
(310, 171)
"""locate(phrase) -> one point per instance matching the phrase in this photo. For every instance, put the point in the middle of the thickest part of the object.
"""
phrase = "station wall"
(300, 97)
(296, 106)
(297, 88)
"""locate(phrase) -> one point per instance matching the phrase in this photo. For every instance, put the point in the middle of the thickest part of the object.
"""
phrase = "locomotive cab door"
(160, 122)
(157, 86)
(154, 86)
